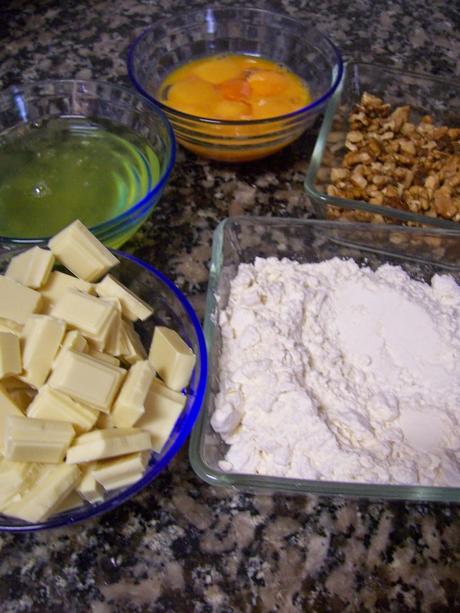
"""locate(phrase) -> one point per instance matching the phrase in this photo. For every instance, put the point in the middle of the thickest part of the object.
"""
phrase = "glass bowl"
(171, 308)
(187, 36)
(24, 106)
(438, 97)
(420, 252)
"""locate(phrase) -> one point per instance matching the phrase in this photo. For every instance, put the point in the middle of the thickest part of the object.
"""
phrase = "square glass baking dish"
(438, 97)
(421, 252)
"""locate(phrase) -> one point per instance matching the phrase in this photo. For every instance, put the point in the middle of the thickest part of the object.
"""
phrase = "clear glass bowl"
(34, 102)
(438, 97)
(421, 253)
(203, 32)
(171, 309)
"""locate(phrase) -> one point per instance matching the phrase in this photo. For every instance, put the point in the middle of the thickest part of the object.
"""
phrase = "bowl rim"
(89, 512)
(316, 159)
(227, 122)
(15, 90)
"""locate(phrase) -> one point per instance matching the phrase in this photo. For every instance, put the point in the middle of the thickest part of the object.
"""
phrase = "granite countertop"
(182, 545)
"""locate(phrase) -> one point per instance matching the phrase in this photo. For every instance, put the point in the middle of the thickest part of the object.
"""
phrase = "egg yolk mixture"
(234, 87)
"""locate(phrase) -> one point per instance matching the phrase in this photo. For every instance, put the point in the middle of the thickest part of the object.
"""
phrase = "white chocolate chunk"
(7, 407)
(90, 315)
(103, 357)
(17, 302)
(129, 406)
(31, 268)
(14, 383)
(158, 387)
(120, 472)
(36, 440)
(105, 421)
(81, 252)
(171, 357)
(161, 414)
(6, 325)
(42, 336)
(50, 404)
(10, 355)
(73, 341)
(87, 380)
(133, 308)
(114, 342)
(89, 488)
(100, 444)
(59, 283)
(14, 477)
(72, 501)
(22, 397)
(133, 349)
(53, 485)
(19, 392)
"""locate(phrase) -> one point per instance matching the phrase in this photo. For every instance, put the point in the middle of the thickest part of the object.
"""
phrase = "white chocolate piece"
(103, 357)
(120, 472)
(52, 486)
(81, 252)
(161, 414)
(172, 358)
(14, 477)
(133, 308)
(17, 302)
(14, 383)
(74, 341)
(100, 444)
(31, 268)
(133, 349)
(36, 440)
(42, 336)
(10, 355)
(129, 406)
(50, 404)
(59, 283)
(90, 315)
(114, 341)
(72, 501)
(89, 488)
(22, 397)
(7, 407)
(104, 421)
(158, 387)
(19, 392)
(87, 380)
(6, 325)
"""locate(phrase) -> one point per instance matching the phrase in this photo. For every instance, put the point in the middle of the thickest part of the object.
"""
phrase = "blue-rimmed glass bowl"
(187, 36)
(33, 103)
(171, 309)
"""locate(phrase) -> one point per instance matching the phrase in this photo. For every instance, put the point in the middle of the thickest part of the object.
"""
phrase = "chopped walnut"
(391, 160)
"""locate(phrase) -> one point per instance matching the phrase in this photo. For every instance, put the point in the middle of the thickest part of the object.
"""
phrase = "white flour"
(331, 371)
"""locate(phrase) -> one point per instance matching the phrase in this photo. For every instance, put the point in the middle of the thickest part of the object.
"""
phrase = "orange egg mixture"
(236, 88)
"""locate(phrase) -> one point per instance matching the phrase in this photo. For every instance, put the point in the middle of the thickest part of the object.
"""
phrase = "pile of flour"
(332, 371)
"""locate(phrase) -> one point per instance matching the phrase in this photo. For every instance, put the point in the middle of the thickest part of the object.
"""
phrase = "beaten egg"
(237, 88)
(234, 87)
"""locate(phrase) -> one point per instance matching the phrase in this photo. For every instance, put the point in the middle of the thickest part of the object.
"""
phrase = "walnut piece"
(391, 160)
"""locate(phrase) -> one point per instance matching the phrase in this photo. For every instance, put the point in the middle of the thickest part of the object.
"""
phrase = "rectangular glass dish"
(420, 252)
(426, 95)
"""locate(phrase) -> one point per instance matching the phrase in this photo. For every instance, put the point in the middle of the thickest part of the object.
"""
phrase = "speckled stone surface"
(182, 545)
